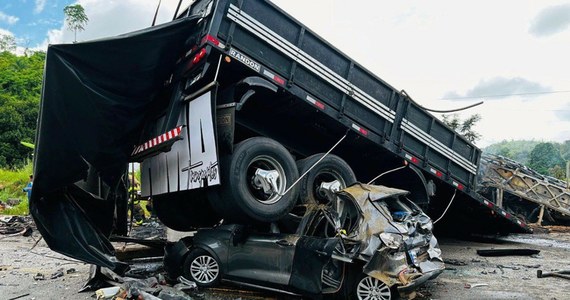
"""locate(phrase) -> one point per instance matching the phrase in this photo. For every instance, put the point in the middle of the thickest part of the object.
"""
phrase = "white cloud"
(5, 32)
(551, 20)
(110, 18)
(40, 4)
(8, 19)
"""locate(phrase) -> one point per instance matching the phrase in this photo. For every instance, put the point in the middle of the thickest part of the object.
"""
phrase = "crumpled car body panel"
(351, 234)
(418, 255)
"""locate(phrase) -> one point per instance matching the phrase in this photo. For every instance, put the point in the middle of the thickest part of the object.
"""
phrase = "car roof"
(362, 192)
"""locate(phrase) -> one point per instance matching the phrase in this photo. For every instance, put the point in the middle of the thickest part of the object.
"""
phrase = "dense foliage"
(518, 150)
(548, 158)
(20, 90)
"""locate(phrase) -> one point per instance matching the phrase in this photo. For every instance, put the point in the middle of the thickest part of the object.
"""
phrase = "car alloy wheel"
(204, 269)
(373, 289)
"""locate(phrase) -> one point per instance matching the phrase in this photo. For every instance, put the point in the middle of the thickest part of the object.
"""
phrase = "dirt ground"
(468, 275)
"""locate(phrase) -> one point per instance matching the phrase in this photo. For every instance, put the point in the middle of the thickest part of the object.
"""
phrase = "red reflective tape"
(320, 105)
(412, 159)
(436, 172)
(159, 140)
(279, 80)
(212, 39)
(459, 186)
(489, 204)
(316, 103)
(360, 129)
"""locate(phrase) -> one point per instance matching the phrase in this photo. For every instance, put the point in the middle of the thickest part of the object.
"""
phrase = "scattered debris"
(57, 274)
(71, 271)
(508, 267)
(507, 252)
(18, 297)
(472, 286)
(558, 229)
(530, 266)
(16, 225)
(455, 262)
(185, 284)
(107, 293)
(561, 274)
(39, 276)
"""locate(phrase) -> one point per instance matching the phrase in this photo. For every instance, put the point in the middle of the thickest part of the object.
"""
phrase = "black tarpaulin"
(94, 100)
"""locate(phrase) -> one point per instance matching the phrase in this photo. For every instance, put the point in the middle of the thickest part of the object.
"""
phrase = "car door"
(262, 258)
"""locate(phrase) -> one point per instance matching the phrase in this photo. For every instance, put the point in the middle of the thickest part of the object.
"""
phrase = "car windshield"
(397, 208)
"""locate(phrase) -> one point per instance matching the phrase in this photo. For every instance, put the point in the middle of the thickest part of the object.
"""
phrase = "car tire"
(239, 198)
(329, 169)
(202, 268)
(368, 287)
(184, 211)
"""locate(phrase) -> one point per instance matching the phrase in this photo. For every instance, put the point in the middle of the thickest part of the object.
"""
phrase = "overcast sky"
(512, 54)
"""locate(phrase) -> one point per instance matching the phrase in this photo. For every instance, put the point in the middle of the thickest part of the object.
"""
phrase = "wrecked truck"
(370, 242)
(235, 111)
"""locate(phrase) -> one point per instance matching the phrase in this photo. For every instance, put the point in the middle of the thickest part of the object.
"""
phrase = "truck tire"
(241, 197)
(329, 169)
(184, 211)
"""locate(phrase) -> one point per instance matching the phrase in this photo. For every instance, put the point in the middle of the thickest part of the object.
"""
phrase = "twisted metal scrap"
(520, 180)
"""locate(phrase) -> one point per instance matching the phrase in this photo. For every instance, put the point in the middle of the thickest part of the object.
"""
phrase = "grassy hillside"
(11, 184)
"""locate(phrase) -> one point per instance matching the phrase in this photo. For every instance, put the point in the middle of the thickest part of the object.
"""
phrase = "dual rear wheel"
(258, 181)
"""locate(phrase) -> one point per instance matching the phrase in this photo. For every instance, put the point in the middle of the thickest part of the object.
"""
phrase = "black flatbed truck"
(321, 92)
(223, 73)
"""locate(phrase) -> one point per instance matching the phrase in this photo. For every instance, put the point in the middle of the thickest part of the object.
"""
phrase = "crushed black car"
(370, 242)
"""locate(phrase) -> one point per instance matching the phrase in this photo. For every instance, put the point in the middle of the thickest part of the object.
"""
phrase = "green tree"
(518, 150)
(545, 156)
(20, 89)
(565, 150)
(75, 18)
(464, 127)
(7, 43)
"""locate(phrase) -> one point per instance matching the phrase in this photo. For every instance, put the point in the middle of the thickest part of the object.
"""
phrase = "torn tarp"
(94, 100)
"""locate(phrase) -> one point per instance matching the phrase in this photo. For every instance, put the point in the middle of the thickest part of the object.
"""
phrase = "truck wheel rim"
(266, 163)
(204, 269)
(372, 288)
(326, 176)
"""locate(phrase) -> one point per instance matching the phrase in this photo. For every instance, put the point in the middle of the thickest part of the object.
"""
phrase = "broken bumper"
(412, 286)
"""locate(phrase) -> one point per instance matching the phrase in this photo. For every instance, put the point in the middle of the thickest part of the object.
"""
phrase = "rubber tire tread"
(330, 162)
(233, 199)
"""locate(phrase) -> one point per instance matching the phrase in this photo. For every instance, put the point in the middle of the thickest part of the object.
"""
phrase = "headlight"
(391, 240)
